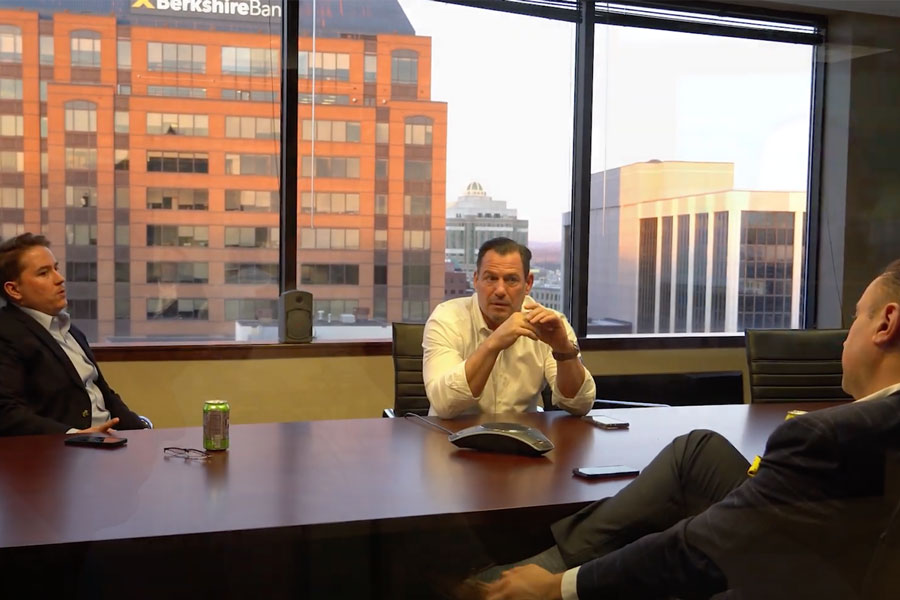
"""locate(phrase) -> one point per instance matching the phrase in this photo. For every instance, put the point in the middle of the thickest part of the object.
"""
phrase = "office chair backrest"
(790, 365)
(409, 385)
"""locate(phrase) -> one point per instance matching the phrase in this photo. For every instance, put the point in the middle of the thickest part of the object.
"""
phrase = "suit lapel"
(44, 336)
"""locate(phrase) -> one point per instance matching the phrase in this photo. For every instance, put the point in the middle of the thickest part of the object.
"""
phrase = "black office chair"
(790, 365)
(409, 384)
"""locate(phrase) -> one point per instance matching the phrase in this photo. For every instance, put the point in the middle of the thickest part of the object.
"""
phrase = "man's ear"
(529, 282)
(12, 290)
(888, 331)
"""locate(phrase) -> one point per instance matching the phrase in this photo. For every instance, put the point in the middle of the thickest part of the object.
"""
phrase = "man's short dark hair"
(504, 246)
(11, 252)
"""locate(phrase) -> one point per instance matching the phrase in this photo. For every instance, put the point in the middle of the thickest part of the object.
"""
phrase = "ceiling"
(889, 8)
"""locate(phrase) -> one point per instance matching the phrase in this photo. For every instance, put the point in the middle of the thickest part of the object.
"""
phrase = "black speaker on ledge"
(295, 317)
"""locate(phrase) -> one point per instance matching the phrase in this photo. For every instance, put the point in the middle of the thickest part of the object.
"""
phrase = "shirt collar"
(60, 322)
(882, 393)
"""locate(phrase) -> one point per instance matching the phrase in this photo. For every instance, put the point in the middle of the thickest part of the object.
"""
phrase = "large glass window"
(179, 58)
(10, 44)
(85, 48)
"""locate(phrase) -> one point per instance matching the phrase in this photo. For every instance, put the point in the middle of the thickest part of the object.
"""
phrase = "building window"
(251, 164)
(45, 51)
(81, 197)
(12, 125)
(416, 205)
(177, 308)
(260, 128)
(11, 197)
(251, 237)
(81, 235)
(177, 162)
(417, 240)
(85, 48)
(329, 274)
(701, 237)
(416, 275)
(330, 131)
(323, 98)
(177, 235)
(81, 271)
(10, 44)
(81, 116)
(328, 66)
(82, 309)
(417, 170)
(177, 272)
(415, 310)
(765, 289)
(330, 203)
(719, 271)
(370, 66)
(331, 166)
(251, 200)
(329, 238)
(263, 62)
(177, 124)
(417, 131)
(123, 54)
(175, 91)
(10, 89)
(121, 160)
(251, 95)
(177, 199)
(121, 122)
(250, 309)
(122, 272)
(404, 66)
(251, 273)
(180, 58)
(80, 158)
(10, 230)
(328, 310)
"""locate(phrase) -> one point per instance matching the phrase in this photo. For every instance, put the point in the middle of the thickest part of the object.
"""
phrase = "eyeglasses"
(186, 453)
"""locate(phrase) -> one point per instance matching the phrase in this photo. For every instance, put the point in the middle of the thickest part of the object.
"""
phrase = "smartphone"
(97, 441)
(604, 422)
(606, 472)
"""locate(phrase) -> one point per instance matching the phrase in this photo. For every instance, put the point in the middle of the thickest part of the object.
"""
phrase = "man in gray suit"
(807, 524)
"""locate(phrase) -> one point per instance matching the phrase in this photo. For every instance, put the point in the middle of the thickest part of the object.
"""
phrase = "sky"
(508, 81)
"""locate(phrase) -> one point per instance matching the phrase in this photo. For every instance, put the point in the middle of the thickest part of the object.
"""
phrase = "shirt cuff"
(569, 587)
(72, 430)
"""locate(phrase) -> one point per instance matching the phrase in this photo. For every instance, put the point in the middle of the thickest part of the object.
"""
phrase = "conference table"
(313, 509)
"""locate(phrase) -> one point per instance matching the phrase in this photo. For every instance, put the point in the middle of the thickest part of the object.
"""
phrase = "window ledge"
(237, 351)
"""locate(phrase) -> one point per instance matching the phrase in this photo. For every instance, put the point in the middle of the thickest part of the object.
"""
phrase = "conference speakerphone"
(505, 438)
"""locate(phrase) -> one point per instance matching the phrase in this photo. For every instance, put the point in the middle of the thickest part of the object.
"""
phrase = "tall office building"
(475, 218)
(143, 139)
(676, 249)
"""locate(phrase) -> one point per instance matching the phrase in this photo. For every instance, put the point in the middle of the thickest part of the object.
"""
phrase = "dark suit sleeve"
(128, 419)
(17, 417)
(735, 541)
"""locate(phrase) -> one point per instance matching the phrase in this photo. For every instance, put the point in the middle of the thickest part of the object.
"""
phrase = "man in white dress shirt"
(494, 351)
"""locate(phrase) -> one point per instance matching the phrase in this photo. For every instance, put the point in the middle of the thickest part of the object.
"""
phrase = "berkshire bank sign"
(243, 8)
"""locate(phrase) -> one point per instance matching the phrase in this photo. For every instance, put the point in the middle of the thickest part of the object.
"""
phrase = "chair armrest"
(601, 403)
(388, 413)
(148, 424)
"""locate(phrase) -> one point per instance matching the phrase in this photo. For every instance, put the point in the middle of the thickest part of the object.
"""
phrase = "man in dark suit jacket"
(808, 524)
(49, 380)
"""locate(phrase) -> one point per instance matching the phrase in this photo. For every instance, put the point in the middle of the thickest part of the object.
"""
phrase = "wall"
(171, 393)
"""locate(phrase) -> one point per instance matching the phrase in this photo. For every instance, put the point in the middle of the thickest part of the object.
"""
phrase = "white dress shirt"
(58, 327)
(452, 334)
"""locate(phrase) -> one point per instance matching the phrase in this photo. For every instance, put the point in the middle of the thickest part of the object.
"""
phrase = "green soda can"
(216, 414)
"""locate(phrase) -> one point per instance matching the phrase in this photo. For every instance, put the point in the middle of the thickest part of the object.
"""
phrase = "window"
(404, 66)
(177, 162)
(370, 64)
(120, 157)
(326, 238)
(45, 45)
(10, 230)
(121, 122)
(177, 124)
(176, 91)
(122, 272)
(81, 116)
(330, 202)
(251, 201)
(327, 65)
(328, 310)
(177, 235)
(11, 197)
(329, 274)
(179, 58)
(80, 158)
(418, 240)
(11, 125)
(251, 273)
(251, 164)
(262, 128)
(10, 89)
(81, 271)
(10, 44)
(177, 198)
(304, 98)
(250, 61)
(85, 48)
(251, 95)
(330, 131)
(123, 54)
(331, 166)
(177, 272)
(82, 309)
(251, 237)
(81, 196)
(81, 235)
(251, 309)
(417, 131)
(177, 308)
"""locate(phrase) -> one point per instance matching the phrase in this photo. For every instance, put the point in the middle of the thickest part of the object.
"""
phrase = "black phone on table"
(604, 422)
(95, 440)
(605, 472)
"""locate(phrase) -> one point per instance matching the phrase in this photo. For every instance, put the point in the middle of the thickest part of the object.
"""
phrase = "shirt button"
(84, 413)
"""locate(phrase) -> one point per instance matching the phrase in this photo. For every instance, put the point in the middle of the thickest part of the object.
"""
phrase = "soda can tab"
(794, 413)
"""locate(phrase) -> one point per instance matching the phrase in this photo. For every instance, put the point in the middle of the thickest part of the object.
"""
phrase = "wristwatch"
(567, 355)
